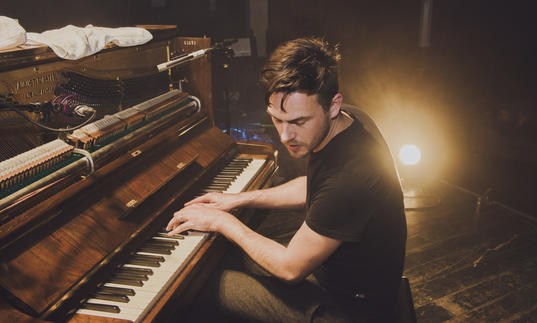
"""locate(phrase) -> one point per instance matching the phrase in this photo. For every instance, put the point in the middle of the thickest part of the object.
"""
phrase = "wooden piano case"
(59, 242)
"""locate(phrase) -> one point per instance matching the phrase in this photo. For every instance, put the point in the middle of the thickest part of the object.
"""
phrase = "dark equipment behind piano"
(72, 220)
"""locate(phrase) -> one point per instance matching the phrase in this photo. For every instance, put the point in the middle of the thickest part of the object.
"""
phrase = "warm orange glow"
(410, 155)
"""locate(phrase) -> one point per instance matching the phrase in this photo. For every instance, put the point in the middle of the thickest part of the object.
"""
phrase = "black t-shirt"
(354, 195)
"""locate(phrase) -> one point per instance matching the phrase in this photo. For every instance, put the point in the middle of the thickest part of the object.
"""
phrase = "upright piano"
(82, 211)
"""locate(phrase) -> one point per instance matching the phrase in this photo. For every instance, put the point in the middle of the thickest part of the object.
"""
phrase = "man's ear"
(335, 105)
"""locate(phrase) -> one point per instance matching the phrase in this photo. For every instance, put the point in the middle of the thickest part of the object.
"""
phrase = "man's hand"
(220, 201)
(198, 217)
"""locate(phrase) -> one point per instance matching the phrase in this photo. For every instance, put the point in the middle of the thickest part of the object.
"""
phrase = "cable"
(94, 113)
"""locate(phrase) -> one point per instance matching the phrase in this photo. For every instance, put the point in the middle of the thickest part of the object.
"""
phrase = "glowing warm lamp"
(409, 154)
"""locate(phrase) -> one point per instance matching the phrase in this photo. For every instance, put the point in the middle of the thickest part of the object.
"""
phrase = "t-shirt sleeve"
(341, 206)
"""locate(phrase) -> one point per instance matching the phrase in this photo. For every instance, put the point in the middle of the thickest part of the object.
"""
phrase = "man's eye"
(276, 120)
(299, 122)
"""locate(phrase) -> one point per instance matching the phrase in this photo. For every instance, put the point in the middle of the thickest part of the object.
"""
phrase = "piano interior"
(82, 210)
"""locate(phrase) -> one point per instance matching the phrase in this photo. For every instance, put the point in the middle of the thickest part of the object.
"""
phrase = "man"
(345, 261)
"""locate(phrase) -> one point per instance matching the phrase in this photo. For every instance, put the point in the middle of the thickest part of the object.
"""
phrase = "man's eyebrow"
(289, 121)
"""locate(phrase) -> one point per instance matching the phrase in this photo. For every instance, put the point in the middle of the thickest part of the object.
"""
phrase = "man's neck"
(337, 125)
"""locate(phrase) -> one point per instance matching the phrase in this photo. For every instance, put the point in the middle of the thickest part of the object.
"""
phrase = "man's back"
(354, 196)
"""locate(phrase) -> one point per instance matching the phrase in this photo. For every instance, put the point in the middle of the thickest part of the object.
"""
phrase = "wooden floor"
(465, 267)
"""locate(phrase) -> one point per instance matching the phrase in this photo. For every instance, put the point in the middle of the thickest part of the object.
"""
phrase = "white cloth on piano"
(11, 33)
(72, 42)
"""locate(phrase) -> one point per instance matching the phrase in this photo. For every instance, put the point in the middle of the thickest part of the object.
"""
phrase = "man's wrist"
(225, 224)
(246, 199)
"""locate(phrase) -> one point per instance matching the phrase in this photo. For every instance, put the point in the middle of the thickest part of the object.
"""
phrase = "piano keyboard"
(138, 284)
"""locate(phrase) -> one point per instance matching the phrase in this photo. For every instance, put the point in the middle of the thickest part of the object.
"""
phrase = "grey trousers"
(238, 295)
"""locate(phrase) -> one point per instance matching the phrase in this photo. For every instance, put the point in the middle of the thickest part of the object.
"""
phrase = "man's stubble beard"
(315, 142)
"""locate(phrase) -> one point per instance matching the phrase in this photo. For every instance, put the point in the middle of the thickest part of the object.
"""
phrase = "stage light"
(410, 154)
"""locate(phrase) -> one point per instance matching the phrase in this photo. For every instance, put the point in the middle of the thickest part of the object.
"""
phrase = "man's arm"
(289, 195)
(305, 252)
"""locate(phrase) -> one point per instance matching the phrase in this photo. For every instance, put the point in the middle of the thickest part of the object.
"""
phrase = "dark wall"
(38, 16)
(218, 19)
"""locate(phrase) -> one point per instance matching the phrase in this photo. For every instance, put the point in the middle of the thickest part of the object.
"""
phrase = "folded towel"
(11, 33)
(72, 42)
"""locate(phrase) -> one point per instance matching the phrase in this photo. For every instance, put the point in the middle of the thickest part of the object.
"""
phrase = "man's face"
(303, 124)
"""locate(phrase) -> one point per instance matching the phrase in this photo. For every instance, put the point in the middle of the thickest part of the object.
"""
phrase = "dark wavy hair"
(306, 65)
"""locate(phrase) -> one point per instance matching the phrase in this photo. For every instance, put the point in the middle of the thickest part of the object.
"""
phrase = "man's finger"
(173, 222)
(199, 199)
(180, 228)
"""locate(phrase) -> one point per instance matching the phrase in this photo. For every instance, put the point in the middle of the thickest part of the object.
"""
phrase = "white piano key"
(244, 178)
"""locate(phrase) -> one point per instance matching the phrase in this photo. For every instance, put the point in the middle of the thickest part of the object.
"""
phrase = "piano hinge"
(131, 203)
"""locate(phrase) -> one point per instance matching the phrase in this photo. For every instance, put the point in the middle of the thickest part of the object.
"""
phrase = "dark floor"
(462, 267)
(468, 267)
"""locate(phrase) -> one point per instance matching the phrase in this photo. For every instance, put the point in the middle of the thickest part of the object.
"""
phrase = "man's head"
(306, 65)
(301, 89)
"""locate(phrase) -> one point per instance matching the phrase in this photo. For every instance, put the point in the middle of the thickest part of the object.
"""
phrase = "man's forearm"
(290, 195)
(267, 253)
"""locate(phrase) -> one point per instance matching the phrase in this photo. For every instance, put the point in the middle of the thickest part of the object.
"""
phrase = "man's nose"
(287, 133)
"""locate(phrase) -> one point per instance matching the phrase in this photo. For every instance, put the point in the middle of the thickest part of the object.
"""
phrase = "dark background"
(468, 100)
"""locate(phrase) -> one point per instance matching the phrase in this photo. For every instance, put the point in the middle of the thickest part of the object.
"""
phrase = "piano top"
(24, 56)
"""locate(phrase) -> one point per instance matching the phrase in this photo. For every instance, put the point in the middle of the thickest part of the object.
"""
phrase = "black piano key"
(155, 243)
(220, 190)
(159, 250)
(161, 242)
(111, 297)
(230, 177)
(136, 270)
(217, 186)
(144, 262)
(233, 169)
(165, 235)
(116, 290)
(101, 307)
(230, 172)
(166, 232)
(238, 163)
(126, 281)
(211, 190)
(133, 276)
(148, 257)
(236, 166)
(221, 181)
